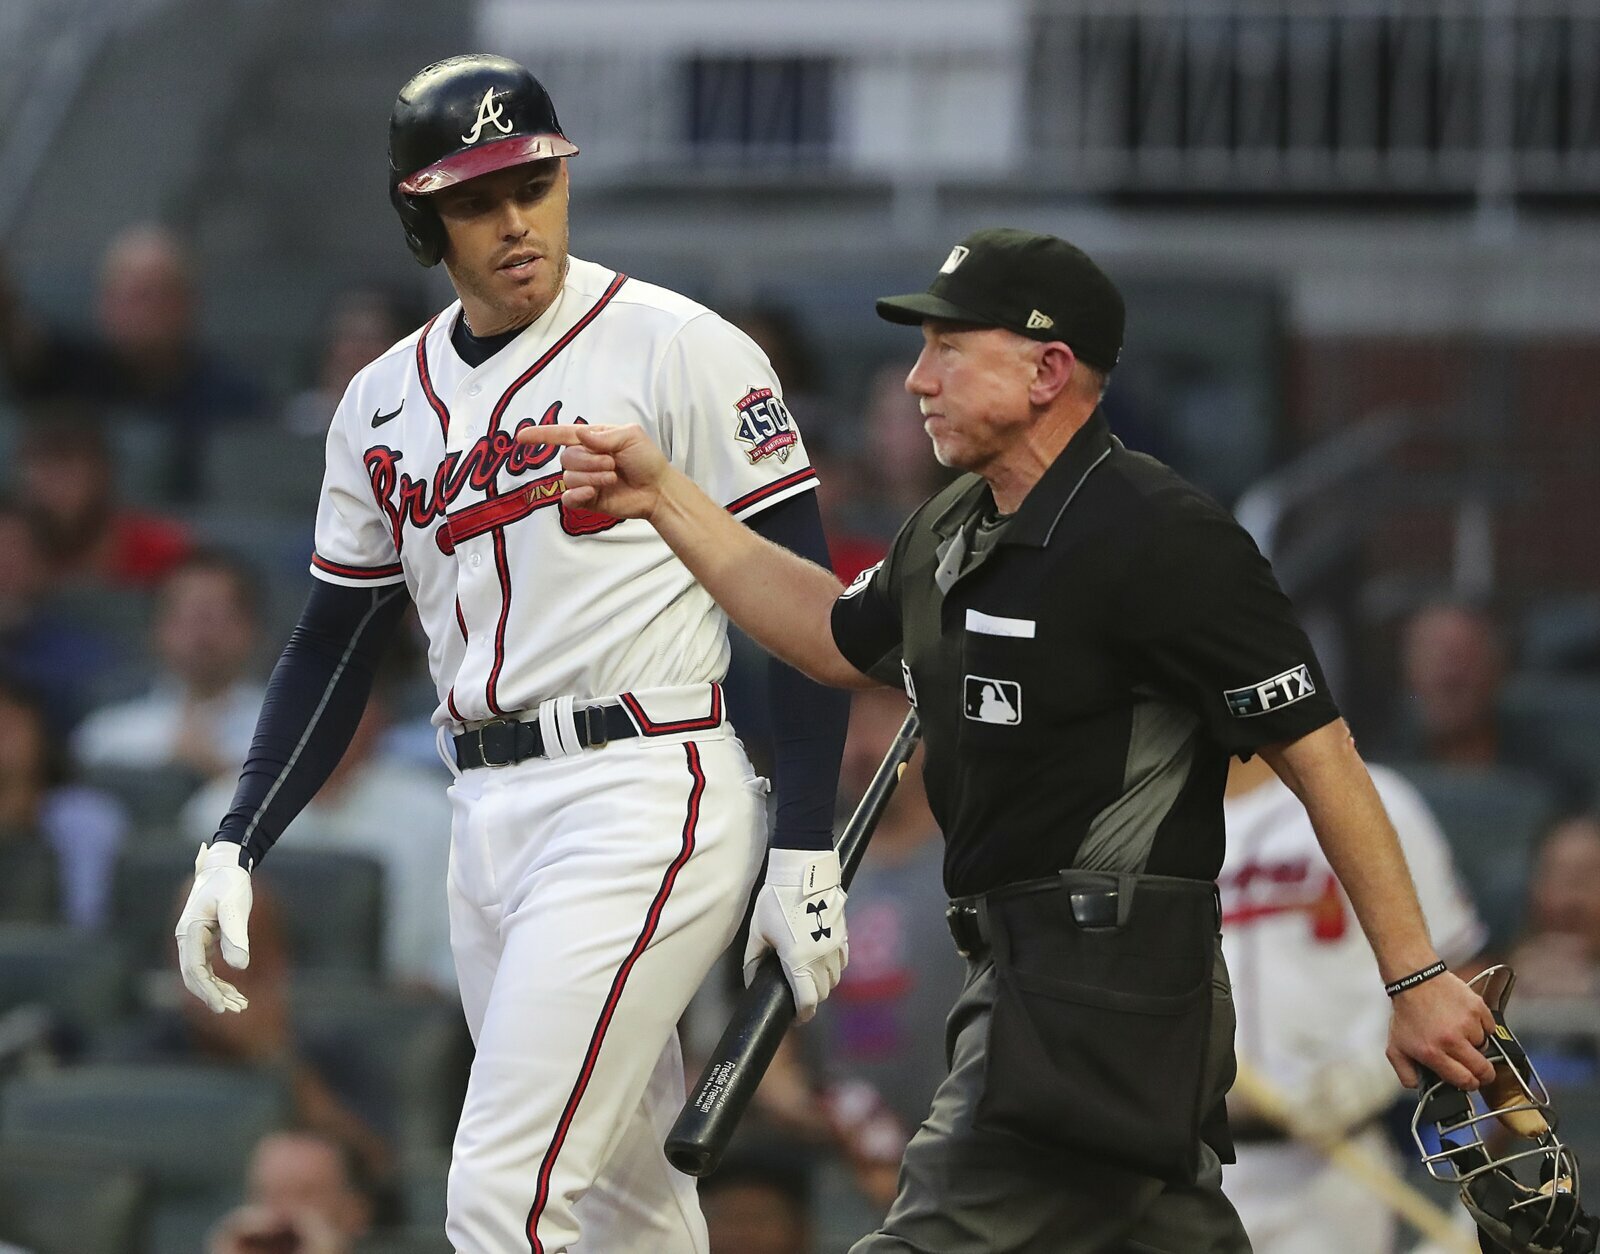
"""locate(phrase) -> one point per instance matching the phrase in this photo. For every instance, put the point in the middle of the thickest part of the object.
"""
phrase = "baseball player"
(607, 825)
(1312, 1016)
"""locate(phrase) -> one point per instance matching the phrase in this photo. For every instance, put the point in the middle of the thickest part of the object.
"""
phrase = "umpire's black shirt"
(1084, 669)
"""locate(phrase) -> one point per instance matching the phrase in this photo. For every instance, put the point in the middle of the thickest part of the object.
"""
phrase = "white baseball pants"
(589, 895)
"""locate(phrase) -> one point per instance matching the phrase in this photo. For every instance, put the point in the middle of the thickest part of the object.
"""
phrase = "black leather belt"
(1092, 908)
(509, 740)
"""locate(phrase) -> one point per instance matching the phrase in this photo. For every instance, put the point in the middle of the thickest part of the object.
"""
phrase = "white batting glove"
(218, 908)
(800, 913)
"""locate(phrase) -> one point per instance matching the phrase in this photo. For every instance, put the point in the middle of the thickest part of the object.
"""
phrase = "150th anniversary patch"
(1271, 694)
(765, 425)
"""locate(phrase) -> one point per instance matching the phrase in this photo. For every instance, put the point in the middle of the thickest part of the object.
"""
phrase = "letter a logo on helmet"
(459, 119)
(489, 113)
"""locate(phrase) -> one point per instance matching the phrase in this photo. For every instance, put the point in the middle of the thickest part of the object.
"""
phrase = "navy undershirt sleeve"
(314, 700)
(808, 719)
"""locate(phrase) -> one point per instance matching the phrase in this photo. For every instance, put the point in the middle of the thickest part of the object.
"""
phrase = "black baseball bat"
(697, 1140)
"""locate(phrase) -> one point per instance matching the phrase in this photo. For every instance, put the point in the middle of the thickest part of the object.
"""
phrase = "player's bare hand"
(218, 909)
(615, 470)
(1441, 1023)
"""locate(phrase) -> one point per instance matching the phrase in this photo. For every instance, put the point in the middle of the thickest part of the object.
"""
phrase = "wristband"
(1415, 978)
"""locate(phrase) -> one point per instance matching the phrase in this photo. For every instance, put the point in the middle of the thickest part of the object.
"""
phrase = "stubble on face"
(495, 220)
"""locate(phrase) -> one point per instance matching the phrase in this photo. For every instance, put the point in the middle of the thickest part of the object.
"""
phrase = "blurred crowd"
(153, 548)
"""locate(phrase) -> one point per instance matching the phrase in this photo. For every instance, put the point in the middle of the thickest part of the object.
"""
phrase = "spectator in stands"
(39, 647)
(1560, 956)
(359, 325)
(1453, 669)
(758, 1205)
(58, 840)
(67, 480)
(143, 362)
(305, 1191)
(384, 807)
(200, 715)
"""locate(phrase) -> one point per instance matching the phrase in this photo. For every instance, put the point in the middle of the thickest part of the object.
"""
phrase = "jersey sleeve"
(866, 617)
(355, 542)
(723, 419)
(1453, 923)
(1202, 614)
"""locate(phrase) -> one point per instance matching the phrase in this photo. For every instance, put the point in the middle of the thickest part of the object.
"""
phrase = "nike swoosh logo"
(379, 417)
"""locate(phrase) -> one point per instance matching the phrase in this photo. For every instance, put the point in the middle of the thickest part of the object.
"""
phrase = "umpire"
(1088, 639)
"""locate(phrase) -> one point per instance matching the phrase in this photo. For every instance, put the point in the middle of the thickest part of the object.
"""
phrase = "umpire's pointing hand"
(615, 470)
(218, 908)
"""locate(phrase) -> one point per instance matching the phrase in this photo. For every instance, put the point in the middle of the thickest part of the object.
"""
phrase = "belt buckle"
(594, 727)
(483, 747)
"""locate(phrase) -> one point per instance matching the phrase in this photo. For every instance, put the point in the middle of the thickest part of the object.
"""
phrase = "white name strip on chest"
(995, 625)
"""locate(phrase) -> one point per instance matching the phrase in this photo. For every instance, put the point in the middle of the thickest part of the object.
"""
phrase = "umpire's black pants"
(964, 1191)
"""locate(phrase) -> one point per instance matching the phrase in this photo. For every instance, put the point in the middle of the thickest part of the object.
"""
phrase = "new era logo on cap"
(958, 254)
(1038, 321)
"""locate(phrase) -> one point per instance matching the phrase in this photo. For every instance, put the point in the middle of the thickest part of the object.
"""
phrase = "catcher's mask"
(1499, 1144)
(455, 120)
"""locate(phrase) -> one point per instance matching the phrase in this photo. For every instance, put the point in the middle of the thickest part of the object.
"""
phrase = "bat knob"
(692, 1160)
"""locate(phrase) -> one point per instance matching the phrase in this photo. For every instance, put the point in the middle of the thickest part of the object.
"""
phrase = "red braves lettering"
(419, 501)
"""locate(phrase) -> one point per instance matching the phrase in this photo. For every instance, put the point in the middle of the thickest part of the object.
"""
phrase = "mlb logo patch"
(989, 700)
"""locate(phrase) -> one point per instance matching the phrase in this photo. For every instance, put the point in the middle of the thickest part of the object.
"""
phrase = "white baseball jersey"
(1312, 1013)
(522, 598)
(1306, 984)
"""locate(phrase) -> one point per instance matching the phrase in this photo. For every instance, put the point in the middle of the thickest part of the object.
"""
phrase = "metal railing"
(1483, 97)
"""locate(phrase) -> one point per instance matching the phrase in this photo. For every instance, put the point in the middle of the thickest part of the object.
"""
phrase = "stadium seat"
(188, 1129)
(424, 1183)
(28, 891)
(77, 977)
(152, 796)
(1493, 817)
(259, 468)
(145, 901)
(400, 1058)
(410, 1241)
(53, 1202)
(332, 906)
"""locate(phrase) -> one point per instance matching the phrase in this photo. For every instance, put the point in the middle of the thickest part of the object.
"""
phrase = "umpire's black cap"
(1035, 285)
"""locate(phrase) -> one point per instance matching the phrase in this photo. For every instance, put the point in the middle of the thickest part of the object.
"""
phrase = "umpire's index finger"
(558, 433)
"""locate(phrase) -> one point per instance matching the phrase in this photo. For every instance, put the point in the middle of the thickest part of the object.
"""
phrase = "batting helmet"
(457, 119)
(1521, 1184)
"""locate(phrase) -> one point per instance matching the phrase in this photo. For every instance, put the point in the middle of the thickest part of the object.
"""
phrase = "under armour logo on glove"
(802, 889)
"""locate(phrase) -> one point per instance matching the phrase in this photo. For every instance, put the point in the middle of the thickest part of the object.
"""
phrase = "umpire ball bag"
(1100, 1040)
